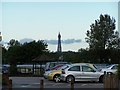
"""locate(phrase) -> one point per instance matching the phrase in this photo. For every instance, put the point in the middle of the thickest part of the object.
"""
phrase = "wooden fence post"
(111, 81)
(10, 84)
(72, 84)
(115, 82)
(105, 80)
(41, 84)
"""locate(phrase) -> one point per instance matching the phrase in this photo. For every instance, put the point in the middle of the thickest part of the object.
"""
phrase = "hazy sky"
(44, 20)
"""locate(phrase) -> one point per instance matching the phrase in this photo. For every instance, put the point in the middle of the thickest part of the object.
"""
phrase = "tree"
(13, 42)
(4, 51)
(102, 36)
(13, 55)
(101, 33)
(23, 53)
(33, 49)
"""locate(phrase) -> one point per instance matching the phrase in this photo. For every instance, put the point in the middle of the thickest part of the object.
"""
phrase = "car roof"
(81, 64)
(58, 62)
(112, 65)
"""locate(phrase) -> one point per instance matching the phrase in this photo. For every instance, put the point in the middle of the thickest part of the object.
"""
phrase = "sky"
(44, 20)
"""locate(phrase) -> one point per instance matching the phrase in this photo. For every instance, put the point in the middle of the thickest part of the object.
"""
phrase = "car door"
(75, 71)
(89, 74)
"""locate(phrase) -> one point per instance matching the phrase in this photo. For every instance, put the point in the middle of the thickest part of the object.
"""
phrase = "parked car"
(81, 72)
(4, 69)
(55, 74)
(110, 69)
(52, 64)
(50, 70)
(56, 67)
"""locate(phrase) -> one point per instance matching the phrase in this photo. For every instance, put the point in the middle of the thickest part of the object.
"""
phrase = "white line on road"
(83, 84)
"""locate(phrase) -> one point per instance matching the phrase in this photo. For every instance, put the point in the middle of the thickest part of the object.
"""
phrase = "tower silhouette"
(59, 48)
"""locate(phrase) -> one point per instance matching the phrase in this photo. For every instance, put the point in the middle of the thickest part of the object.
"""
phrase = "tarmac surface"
(33, 83)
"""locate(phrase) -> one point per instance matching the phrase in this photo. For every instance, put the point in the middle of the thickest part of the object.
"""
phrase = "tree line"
(103, 40)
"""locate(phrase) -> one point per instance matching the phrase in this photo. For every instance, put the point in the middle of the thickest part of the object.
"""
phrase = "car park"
(81, 72)
(110, 69)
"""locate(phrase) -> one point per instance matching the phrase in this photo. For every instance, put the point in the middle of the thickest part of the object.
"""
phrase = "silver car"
(111, 68)
(82, 72)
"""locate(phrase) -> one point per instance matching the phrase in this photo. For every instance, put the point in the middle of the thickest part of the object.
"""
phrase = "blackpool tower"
(59, 48)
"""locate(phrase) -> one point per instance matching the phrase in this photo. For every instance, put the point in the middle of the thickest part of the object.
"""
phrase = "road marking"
(25, 86)
(36, 83)
(83, 84)
(55, 84)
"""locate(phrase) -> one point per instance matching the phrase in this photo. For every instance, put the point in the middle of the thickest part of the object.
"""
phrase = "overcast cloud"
(52, 42)
(67, 41)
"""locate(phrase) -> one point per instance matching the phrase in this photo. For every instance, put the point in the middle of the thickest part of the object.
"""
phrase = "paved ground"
(33, 83)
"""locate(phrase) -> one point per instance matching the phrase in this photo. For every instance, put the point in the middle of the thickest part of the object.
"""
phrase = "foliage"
(4, 51)
(103, 39)
(18, 53)
(23, 53)
(102, 33)
(70, 56)
(32, 50)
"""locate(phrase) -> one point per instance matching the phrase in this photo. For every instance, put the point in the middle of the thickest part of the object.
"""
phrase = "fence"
(111, 81)
(7, 81)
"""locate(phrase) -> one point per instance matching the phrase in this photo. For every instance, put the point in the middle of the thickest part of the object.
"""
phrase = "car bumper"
(45, 76)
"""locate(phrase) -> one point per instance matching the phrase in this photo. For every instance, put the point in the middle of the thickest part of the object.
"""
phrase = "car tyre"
(70, 78)
(56, 78)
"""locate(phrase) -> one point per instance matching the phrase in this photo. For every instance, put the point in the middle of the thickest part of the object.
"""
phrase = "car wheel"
(69, 79)
(56, 78)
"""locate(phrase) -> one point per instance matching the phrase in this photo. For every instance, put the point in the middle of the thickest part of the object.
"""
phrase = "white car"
(110, 69)
(82, 72)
